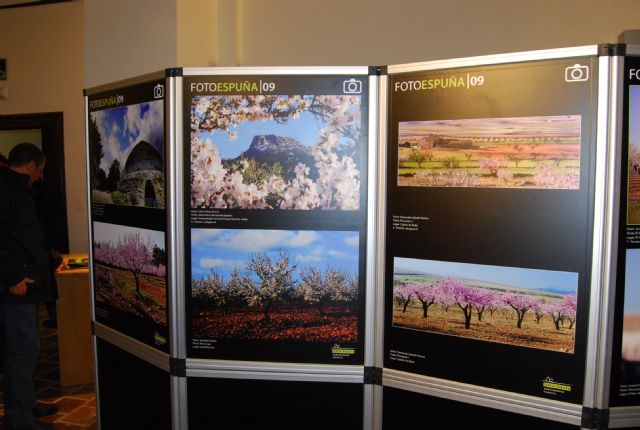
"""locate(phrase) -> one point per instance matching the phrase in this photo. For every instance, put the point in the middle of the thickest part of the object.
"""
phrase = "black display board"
(125, 128)
(406, 409)
(132, 393)
(625, 372)
(281, 405)
(276, 207)
(490, 183)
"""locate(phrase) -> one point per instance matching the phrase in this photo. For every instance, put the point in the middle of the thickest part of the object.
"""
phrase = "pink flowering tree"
(570, 305)
(427, 294)
(403, 295)
(492, 165)
(563, 309)
(466, 298)
(136, 254)
(520, 304)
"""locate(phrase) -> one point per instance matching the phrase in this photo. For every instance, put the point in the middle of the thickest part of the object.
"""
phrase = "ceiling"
(5, 4)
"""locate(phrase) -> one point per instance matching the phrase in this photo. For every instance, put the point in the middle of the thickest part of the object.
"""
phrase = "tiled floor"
(77, 404)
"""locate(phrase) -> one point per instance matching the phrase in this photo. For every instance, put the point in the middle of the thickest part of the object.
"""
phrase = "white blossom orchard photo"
(130, 270)
(276, 285)
(297, 152)
(525, 152)
(523, 307)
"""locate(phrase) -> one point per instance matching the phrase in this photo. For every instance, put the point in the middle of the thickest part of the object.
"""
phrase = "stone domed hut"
(142, 179)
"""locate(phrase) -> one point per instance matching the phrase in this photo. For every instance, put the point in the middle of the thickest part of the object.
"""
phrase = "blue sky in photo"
(123, 127)
(565, 282)
(224, 250)
(632, 282)
(104, 233)
(305, 129)
(634, 114)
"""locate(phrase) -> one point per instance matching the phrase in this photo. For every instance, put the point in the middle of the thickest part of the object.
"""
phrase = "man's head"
(28, 159)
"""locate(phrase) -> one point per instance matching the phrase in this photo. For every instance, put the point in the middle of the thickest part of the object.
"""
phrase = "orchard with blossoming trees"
(633, 198)
(130, 275)
(530, 318)
(527, 152)
(245, 184)
(272, 298)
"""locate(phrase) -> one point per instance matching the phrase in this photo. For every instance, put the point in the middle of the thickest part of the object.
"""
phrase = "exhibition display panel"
(126, 164)
(338, 245)
(490, 212)
(625, 363)
(275, 186)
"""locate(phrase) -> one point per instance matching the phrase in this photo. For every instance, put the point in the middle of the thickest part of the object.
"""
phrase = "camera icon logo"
(158, 91)
(576, 73)
(352, 86)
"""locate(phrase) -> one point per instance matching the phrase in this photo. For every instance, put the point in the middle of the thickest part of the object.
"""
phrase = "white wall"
(44, 49)
(373, 32)
(126, 38)
(48, 64)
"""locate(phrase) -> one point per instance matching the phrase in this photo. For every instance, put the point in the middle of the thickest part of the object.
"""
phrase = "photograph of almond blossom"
(527, 152)
(633, 196)
(297, 152)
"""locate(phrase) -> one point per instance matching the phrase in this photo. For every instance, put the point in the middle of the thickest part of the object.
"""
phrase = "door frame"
(51, 126)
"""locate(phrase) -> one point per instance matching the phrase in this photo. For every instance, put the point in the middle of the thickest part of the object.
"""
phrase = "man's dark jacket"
(22, 245)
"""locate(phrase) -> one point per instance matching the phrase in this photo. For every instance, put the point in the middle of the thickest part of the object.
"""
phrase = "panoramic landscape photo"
(522, 307)
(275, 285)
(633, 195)
(126, 155)
(297, 152)
(130, 270)
(527, 152)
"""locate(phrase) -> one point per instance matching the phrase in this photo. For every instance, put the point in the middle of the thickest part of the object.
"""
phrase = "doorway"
(48, 127)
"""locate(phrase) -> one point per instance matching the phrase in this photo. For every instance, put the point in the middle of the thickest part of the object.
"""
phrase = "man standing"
(25, 282)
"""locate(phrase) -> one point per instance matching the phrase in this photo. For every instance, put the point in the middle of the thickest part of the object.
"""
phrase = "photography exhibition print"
(126, 149)
(531, 152)
(277, 181)
(515, 306)
(130, 279)
(633, 180)
(489, 204)
(625, 379)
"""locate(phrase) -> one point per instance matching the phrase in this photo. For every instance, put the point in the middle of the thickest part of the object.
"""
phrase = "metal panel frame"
(383, 103)
(175, 248)
(625, 416)
(175, 219)
(371, 333)
(606, 214)
(485, 60)
(488, 397)
(256, 71)
(141, 350)
(274, 371)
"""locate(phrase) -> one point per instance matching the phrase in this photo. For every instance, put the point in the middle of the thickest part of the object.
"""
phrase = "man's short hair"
(3, 160)
(24, 153)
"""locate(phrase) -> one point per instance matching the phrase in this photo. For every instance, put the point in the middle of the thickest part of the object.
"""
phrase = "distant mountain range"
(269, 149)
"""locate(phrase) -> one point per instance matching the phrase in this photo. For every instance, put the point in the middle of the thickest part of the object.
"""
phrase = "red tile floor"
(77, 404)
